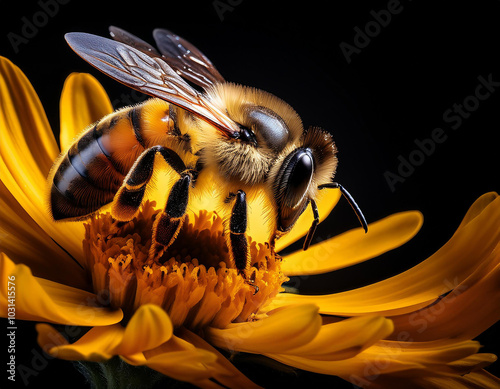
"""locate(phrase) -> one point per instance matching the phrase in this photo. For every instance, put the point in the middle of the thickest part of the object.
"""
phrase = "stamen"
(192, 280)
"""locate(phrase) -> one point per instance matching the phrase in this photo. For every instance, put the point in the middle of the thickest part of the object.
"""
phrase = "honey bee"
(243, 141)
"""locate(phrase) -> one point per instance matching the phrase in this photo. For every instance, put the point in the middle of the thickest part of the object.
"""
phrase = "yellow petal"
(428, 379)
(27, 151)
(479, 205)
(48, 337)
(38, 299)
(326, 201)
(223, 370)
(465, 373)
(83, 101)
(178, 359)
(386, 357)
(468, 249)
(282, 330)
(441, 351)
(97, 345)
(482, 379)
(355, 368)
(25, 242)
(457, 315)
(345, 339)
(102, 343)
(186, 365)
(473, 380)
(474, 362)
(354, 246)
(22, 114)
(148, 328)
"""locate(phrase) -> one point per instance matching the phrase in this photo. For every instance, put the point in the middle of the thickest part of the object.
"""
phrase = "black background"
(394, 91)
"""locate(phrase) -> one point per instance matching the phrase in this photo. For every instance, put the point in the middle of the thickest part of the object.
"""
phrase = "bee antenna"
(350, 200)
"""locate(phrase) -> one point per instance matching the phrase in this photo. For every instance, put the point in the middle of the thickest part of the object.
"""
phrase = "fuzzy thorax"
(193, 281)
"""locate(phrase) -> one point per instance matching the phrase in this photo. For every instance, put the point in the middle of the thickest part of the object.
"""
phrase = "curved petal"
(25, 242)
(428, 380)
(223, 370)
(441, 351)
(354, 246)
(482, 379)
(96, 345)
(178, 359)
(474, 362)
(457, 315)
(477, 207)
(102, 343)
(48, 337)
(468, 249)
(21, 113)
(83, 102)
(473, 380)
(354, 368)
(386, 357)
(38, 299)
(345, 339)
(283, 330)
(148, 328)
(27, 151)
(185, 365)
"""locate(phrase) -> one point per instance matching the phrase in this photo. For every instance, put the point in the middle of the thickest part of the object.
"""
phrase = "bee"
(242, 141)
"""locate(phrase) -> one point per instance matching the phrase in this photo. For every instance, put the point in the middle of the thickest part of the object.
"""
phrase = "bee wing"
(131, 40)
(148, 74)
(186, 59)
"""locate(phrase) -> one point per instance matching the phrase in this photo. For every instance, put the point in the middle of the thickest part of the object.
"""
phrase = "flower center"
(193, 281)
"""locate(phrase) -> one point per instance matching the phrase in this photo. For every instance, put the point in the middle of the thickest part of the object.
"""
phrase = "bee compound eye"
(270, 128)
(300, 170)
(294, 179)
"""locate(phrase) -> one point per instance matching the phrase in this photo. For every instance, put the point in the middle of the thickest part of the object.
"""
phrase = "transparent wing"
(149, 74)
(186, 59)
(131, 40)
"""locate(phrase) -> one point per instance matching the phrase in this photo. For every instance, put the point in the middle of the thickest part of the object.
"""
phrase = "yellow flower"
(180, 316)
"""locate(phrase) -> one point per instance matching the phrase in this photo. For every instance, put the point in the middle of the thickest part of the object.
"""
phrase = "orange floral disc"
(193, 281)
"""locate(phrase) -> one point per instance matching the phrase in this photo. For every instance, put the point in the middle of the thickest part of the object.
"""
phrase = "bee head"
(265, 121)
(295, 178)
(268, 126)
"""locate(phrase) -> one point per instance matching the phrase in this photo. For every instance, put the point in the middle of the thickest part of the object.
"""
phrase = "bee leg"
(129, 197)
(168, 223)
(314, 224)
(236, 238)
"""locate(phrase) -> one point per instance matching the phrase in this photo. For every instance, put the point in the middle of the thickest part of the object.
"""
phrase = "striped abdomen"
(87, 177)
